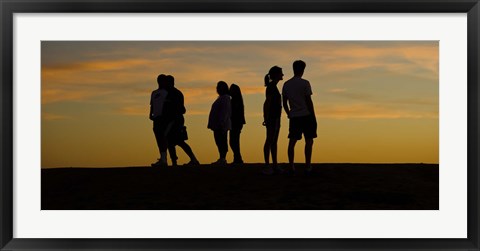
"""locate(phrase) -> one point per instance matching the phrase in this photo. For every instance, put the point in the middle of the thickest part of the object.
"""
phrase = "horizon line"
(249, 164)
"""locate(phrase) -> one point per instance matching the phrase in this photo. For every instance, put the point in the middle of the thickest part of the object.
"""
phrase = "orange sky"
(375, 101)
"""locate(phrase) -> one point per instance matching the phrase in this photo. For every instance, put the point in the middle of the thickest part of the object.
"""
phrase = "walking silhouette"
(177, 135)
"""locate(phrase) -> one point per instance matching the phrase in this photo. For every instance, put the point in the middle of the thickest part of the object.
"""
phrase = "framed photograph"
(276, 125)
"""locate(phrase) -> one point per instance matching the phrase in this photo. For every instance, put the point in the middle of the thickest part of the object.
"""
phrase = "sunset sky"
(375, 101)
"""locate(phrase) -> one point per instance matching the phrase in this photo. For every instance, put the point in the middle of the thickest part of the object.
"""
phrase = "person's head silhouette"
(274, 75)
(222, 88)
(299, 68)
(235, 91)
(161, 80)
(170, 81)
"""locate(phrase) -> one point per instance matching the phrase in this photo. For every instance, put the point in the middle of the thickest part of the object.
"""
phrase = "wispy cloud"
(337, 90)
(406, 58)
(133, 111)
(62, 95)
(371, 111)
(96, 65)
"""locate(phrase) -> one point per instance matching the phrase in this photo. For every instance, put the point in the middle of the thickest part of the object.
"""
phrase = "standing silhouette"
(298, 105)
(160, 124)
(219, 121)
(272, 110)
(238, 120)
(177, 135)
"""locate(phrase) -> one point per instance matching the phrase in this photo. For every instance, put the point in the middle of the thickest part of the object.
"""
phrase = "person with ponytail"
(272, 110)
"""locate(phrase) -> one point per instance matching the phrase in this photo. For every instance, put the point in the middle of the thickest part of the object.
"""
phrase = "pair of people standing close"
(298, 106)
(227, 114)
(167, 107)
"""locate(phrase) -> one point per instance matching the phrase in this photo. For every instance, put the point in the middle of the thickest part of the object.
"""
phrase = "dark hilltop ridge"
(208, 187)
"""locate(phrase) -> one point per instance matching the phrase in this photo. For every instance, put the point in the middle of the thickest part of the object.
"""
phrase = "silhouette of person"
(174, 109)
(298, 105)
(219, 121)
(238, 120)
(160, 124)
(272, 110)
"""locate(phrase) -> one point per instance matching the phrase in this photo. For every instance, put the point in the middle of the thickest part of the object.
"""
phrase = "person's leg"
(158, 130)
(173, 154)
(294, 134)
(239, 153)
(274, 151)
(218, 141)
(172, 138)
(268, 143)
(224, 144)
(291, 153)
(166, 129)
(158, 137)
(188, 150)
(268, 149)
(308, 152)
(163, 149)
(274, 144)
(235, 145)
(310, 134)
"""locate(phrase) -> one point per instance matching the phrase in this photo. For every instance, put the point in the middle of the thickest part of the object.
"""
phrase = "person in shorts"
(298, 105)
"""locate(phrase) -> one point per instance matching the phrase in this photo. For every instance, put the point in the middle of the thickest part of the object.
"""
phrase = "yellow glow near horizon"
(376, 102)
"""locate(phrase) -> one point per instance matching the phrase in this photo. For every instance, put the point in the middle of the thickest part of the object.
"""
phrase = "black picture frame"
(10, 7)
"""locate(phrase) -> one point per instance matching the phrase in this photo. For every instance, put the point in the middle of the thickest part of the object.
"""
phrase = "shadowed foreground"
(330, 187)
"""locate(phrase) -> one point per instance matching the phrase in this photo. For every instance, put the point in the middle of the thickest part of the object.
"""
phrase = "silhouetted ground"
(330, 187)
